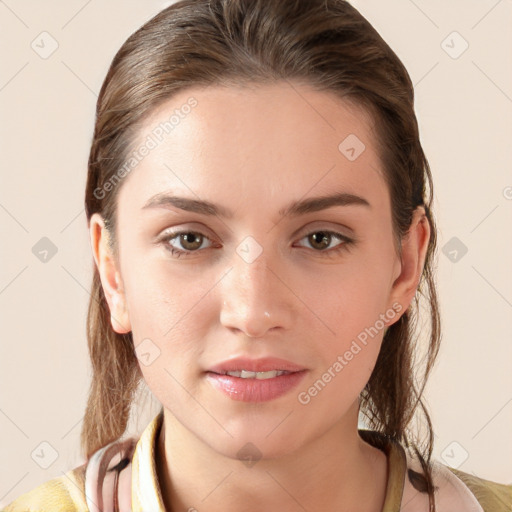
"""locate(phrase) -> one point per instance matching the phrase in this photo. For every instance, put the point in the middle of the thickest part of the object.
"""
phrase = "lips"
(255, 380)
(267, 364)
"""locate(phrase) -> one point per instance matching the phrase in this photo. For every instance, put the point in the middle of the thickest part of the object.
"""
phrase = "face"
(249, 263)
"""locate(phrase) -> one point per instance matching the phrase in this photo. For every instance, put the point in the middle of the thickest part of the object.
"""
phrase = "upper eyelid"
(322, 227)
(342, 230)
(173, 232)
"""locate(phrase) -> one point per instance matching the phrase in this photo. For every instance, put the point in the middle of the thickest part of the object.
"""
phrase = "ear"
(109, 274)
(410, 266)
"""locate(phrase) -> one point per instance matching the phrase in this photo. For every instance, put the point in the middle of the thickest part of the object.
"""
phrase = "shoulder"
(492, 496)
(456, 490)
(103, 480)
(62, 494)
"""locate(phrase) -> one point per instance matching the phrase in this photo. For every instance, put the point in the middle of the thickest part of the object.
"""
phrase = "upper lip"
(265, 364)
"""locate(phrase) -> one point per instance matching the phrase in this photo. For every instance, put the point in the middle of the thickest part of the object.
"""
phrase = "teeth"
(245, 374)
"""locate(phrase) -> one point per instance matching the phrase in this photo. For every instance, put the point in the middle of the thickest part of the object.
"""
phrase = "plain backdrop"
(458, 56)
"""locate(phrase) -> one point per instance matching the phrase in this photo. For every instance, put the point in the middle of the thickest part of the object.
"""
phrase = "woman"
(259, 207)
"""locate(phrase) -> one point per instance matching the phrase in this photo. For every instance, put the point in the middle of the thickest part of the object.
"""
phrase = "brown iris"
(191, 241)
(319, 240)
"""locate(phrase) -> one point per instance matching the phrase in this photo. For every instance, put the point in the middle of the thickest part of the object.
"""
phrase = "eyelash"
(345, 244)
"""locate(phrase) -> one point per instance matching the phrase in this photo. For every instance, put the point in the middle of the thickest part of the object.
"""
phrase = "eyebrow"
(295, 208)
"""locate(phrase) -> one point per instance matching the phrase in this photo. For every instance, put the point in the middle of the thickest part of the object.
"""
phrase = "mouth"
(262, 368)
(255, 380)
(247, 374)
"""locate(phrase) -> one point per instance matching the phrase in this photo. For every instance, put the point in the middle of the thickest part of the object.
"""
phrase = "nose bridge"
(253, 299)
(254, 279)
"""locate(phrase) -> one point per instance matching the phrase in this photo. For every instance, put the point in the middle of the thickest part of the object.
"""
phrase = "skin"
(254, 150)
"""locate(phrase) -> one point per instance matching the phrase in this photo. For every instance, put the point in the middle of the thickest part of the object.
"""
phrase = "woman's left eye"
(322, 240)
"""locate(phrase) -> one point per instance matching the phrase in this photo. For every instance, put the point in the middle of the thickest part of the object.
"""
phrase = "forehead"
(257, 140)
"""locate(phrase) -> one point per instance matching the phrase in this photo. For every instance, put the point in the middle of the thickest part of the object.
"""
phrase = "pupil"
(322, 239)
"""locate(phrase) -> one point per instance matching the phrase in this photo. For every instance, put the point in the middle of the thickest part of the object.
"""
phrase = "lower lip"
(255, 390)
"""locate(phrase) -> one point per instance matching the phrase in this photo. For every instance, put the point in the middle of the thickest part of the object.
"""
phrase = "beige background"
(464, 107)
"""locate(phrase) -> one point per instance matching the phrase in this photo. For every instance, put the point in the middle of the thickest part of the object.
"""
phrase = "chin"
(253, 443)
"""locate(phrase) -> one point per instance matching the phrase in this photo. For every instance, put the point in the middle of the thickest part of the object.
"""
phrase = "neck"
(337, 471)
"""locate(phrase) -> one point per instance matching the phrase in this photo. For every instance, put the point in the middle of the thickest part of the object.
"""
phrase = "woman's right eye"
(182, 243)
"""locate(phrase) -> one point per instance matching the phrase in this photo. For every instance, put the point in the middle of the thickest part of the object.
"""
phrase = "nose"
(255, 299)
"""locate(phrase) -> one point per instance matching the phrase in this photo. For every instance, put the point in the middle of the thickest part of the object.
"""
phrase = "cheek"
(161, 297)
(352, 306)
(169, 323)
(348, 298)
(353, 302)
(170, 314)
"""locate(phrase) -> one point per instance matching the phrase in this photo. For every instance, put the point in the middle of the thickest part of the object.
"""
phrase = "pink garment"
(108, 478)
(121, 477)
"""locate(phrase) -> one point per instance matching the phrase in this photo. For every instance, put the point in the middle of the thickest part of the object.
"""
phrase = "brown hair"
(327, 44)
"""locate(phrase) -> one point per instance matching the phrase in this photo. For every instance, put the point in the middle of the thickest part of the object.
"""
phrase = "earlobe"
(118, 314)
(414, 249)
(109, 274)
